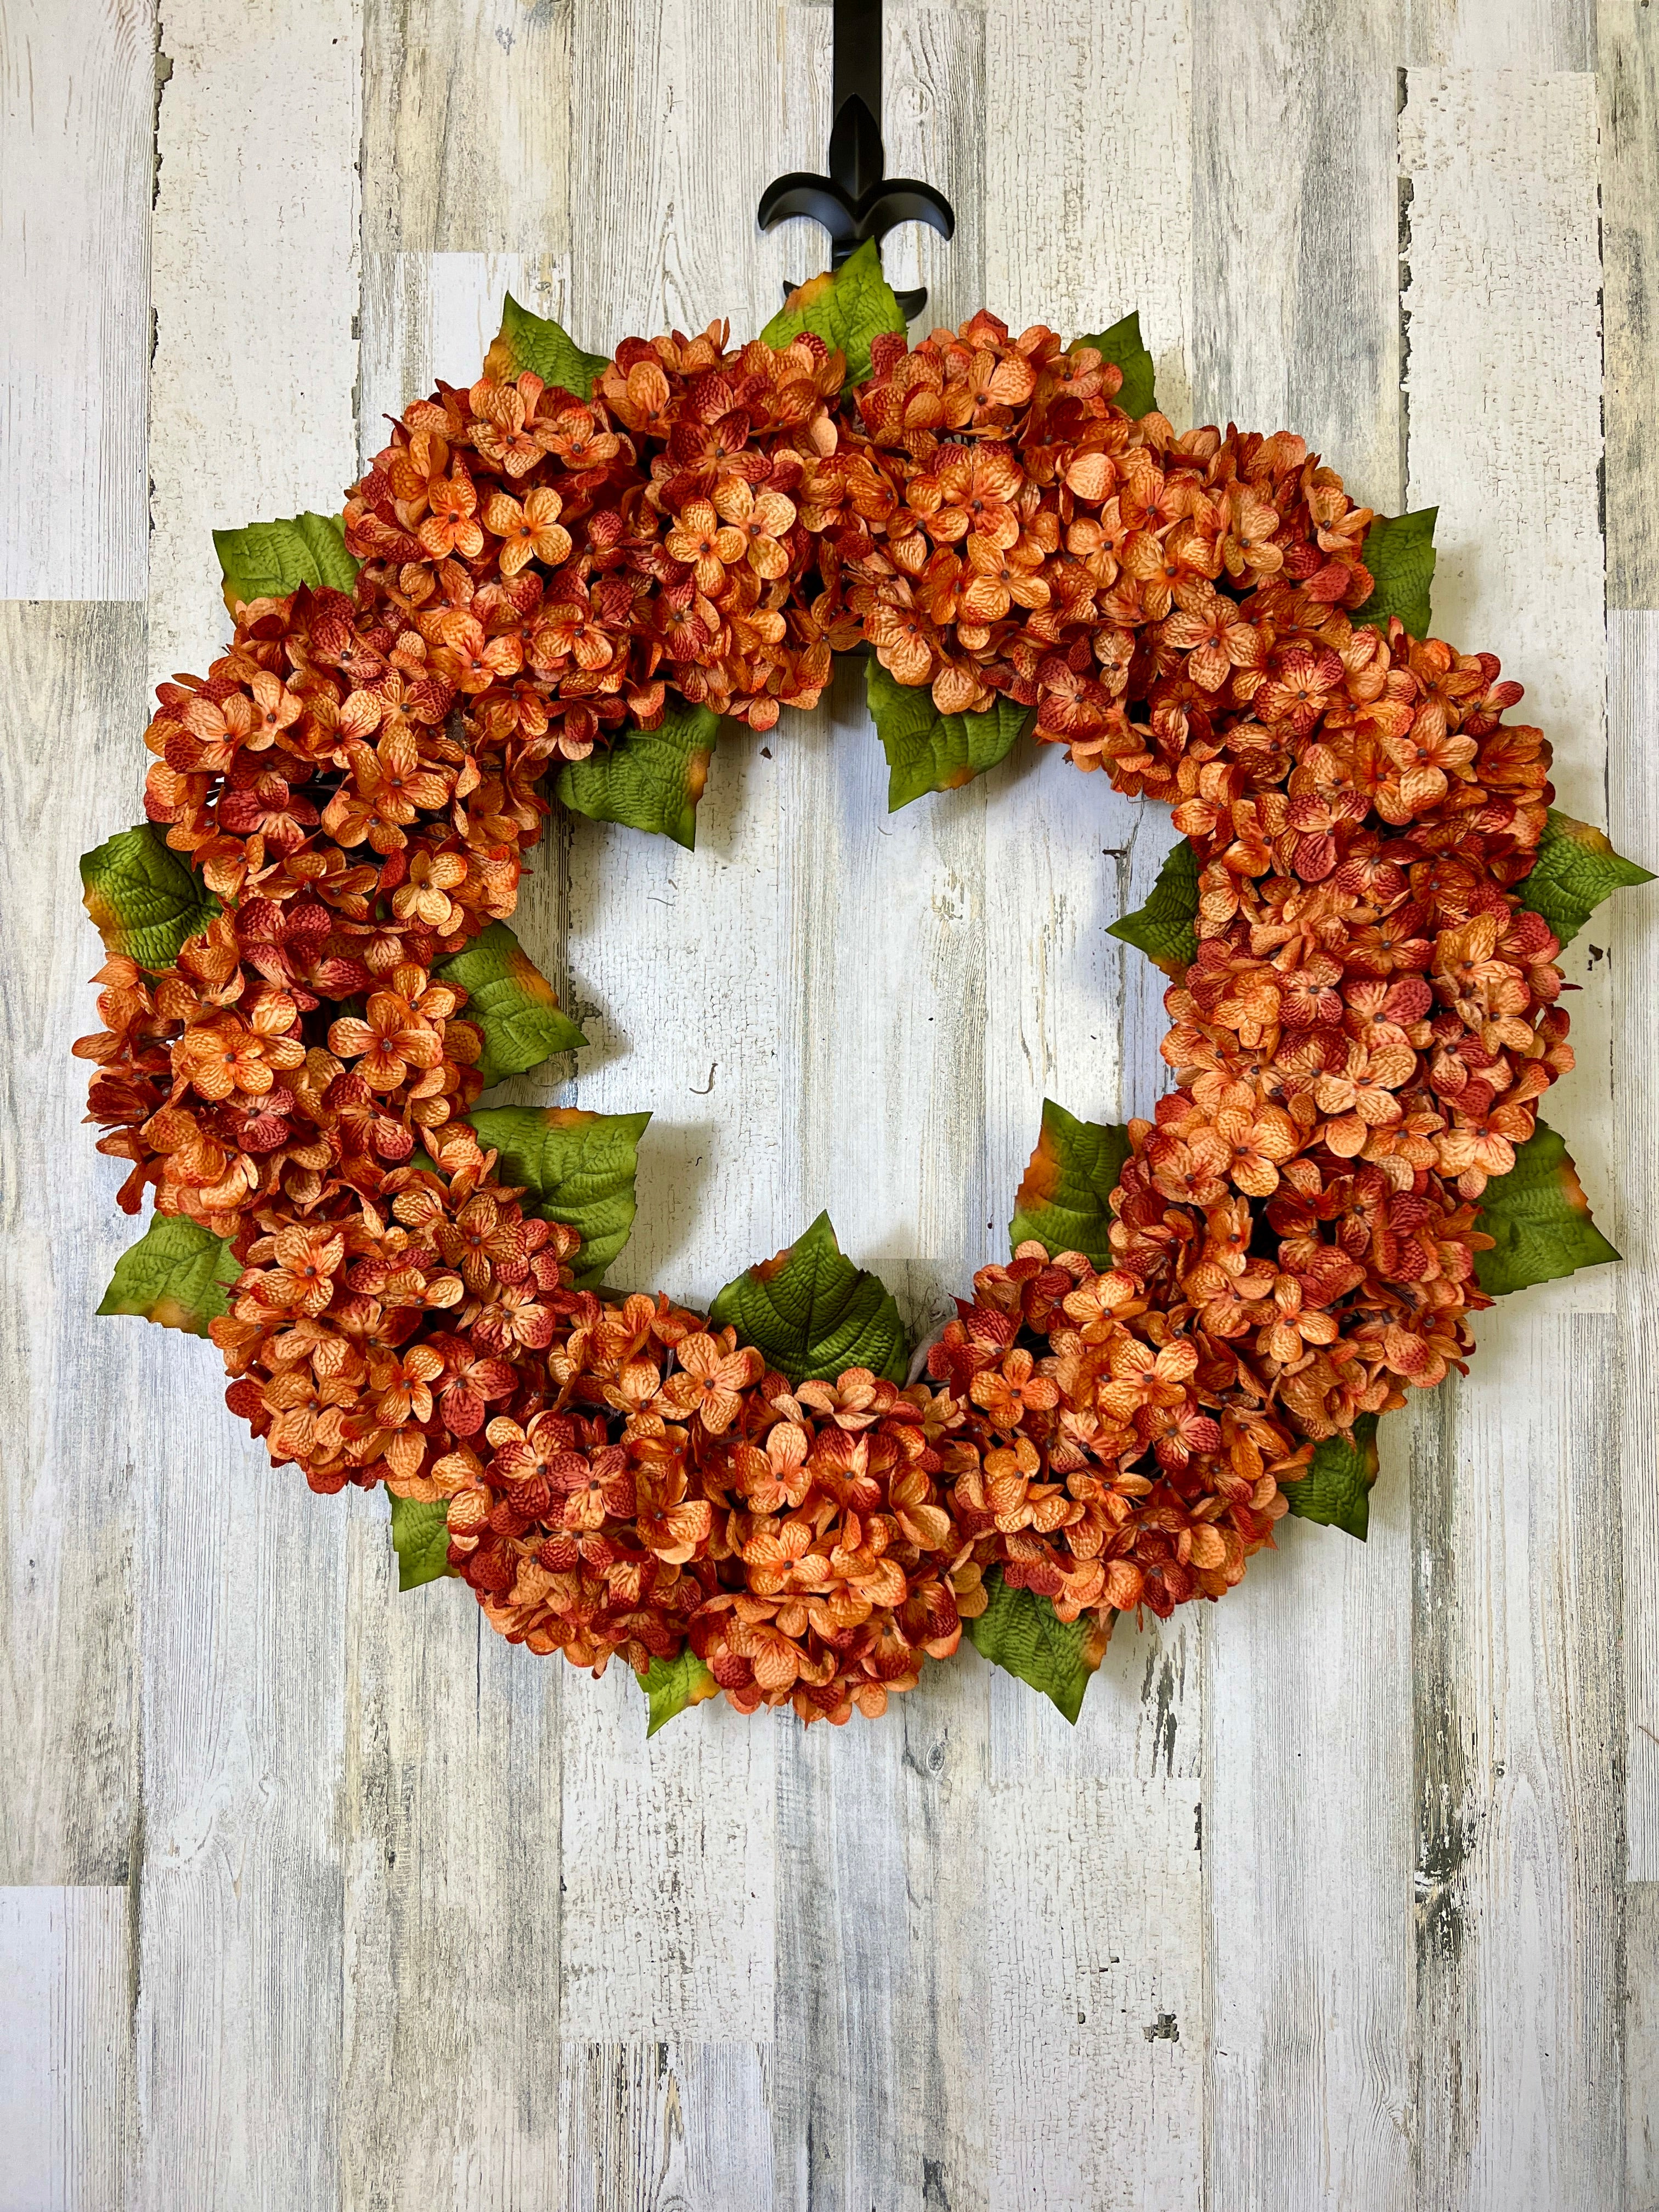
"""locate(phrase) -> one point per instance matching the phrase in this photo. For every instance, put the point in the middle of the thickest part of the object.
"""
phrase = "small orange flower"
(714, 1375)
(528, 532)
(707, 545)
(394, 1036)
(760, 524)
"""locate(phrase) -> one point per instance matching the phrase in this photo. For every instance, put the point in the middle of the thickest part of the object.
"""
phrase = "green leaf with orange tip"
(1063, 1198)
(576, 1166)
(671, 1685)
(1021, 1633)
(178, 1274)
(930, 752)
(511, 1002)
(1575, 869)
(537, 343)
(145, 899)
(812, 1314)
(648, 779)
(420, 1537)
(1165, 928)
(1124, 345)
(1398, 551)
(1336, 1489)
(1539, 1218)
(269, 560)
(846, 307)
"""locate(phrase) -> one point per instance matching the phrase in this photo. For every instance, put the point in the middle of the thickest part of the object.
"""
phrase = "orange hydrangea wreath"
(577, 564)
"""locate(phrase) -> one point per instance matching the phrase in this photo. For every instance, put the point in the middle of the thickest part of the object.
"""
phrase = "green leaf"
(1062, 1199)
(671, 1685)
(648, 779)
(533, 342)
(813, 1315)
(145, 898)
(420, 1537)
(269, 560)
(1540, 1218)
(1020, 1632)
(511, 1002)
(1400, 554)
(578, 1167)
(1123, 344)
(1337, 1488)
(178, 1274)
(846, 307)
(930, 752)
(1164, 928)
(1575, 869)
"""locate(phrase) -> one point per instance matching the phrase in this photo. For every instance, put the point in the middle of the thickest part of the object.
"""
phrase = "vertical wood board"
(65, 2048)
(77, 93)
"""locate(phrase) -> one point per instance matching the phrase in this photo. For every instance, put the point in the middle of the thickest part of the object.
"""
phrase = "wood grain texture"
(1641, 1993)
(880, 2026)
(253, 289)
(1627, 73)
(1490, 35)
(1633, 822)
(77, 89)
(666, 2127)
(1073, 1015)
(1501, 177)
(467, 126)
(1518, 1705)
(450, 1963)
(451, 1923)
(1518, 1721)
(1306, 1752)
(71, 696)
(65, 2048)
(672, 955)
(1096, 2008)
(244, 1582)
(451, 1926)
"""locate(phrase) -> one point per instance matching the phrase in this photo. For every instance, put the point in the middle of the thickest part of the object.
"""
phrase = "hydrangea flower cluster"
(1358, 1044)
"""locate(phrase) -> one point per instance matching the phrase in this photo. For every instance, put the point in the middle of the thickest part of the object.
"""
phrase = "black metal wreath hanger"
(856, 201)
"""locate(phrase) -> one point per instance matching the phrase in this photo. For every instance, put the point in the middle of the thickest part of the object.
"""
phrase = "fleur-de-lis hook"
(856, 201)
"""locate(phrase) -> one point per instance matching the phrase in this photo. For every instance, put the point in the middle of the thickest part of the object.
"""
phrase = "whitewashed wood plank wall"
(1345, 1895)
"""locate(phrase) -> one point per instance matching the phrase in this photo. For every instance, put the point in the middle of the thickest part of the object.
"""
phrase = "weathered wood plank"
(666, 2127)
(65, 2048)
(254, 289)
(1096, 1993)
(880, 2052)
(1072, 1014)
(466, 126)
(245, 1582)
(666, 1853)
(1627, 68)
(1491, 34)
(1518, 1711)
(1502, 178)
(1307, 1832)
(450, 2086)
(882, 2044)
(1633, 930)
(77, 89)
(673, 954)
(1641, 1993)
(667, 1883)
(71, 696)
(449, 2089)
(1518, 1715)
